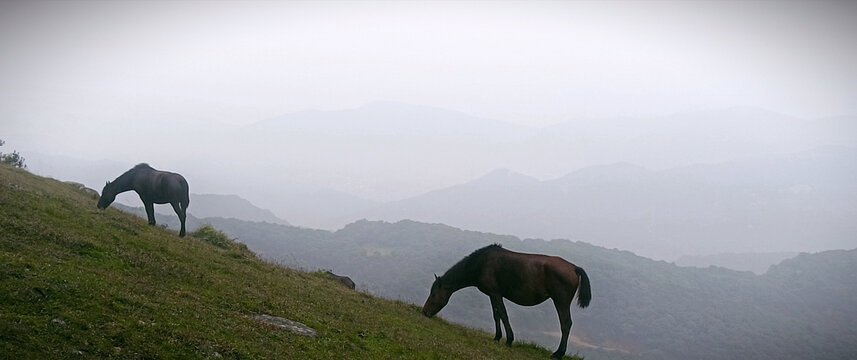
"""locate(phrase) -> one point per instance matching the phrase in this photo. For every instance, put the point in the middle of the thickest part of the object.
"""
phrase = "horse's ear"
(435, 276)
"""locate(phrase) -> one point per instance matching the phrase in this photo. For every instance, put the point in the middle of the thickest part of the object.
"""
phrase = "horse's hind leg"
(181, 211)
(495, 310)
(564, 312)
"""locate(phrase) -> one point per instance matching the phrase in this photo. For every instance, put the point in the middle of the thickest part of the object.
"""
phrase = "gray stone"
(344, 280)
(285, 324)
(82, 188)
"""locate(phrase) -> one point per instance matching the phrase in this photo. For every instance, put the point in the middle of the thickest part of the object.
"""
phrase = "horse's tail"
(185, 193)
(584, 292)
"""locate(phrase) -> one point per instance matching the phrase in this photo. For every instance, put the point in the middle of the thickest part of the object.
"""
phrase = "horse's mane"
(469, 265)
(138, 167)
(481, 251)
(125, 176)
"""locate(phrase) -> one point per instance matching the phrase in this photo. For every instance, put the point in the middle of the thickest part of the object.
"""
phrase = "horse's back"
(550, 274)
(174, 181)
(536, 262)
(164, 186)
(519, 277)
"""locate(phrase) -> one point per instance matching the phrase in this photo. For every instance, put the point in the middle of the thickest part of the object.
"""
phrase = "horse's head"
(107, 196)
(438, 298)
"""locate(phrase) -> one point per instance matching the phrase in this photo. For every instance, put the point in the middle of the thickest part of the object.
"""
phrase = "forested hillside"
(641, 309)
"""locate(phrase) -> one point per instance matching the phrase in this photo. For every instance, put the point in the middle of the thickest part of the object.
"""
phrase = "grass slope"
(76, 282)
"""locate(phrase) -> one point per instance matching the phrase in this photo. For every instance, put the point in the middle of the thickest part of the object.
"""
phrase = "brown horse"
(525, 279)
(154, 187)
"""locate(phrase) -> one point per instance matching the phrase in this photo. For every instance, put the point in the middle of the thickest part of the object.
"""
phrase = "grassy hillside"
(77, 282)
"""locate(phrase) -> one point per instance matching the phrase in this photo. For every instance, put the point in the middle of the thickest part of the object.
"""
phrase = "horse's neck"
(461, 284)
(460, 276)
(124, 182)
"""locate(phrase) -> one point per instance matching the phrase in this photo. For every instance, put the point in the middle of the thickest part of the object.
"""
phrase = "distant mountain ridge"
(503, 178)
(758, 263)
(792, 203)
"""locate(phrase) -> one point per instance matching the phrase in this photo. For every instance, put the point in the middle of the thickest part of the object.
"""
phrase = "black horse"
(525, 279)
(154, 187)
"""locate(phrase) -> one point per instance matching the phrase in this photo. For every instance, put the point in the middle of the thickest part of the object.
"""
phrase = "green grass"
(76, 282)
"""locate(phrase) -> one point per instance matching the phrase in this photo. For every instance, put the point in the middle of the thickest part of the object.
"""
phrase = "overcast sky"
(87, 89)
(524, 62)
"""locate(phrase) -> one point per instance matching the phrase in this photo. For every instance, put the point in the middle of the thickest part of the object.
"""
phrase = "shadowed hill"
(78, 282)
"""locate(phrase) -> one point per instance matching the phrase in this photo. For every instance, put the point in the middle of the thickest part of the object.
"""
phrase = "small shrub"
(15, 159)
(213, 236)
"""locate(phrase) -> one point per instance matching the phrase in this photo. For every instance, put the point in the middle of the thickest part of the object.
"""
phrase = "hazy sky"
(523, 62)
(87, 89)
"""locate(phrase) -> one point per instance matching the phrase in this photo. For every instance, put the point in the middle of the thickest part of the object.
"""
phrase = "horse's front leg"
(150, 211)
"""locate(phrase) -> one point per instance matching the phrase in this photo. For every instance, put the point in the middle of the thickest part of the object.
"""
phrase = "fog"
(328, 112)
